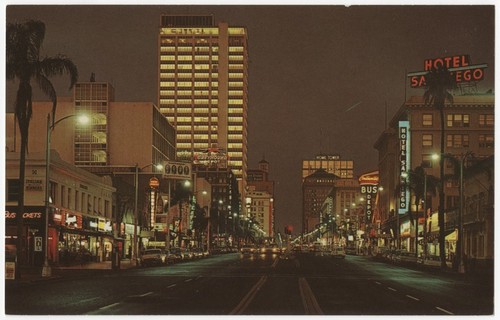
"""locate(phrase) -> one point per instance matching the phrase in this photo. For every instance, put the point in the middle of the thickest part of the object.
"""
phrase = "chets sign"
(369, 188)
(177, 170)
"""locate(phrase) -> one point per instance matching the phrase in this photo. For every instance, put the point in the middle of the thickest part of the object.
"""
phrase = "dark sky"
(308, 65)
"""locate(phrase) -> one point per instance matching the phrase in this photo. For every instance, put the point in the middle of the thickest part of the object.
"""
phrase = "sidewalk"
(34, 274)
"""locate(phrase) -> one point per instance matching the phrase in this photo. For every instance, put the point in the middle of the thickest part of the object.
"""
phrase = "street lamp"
(82, 119)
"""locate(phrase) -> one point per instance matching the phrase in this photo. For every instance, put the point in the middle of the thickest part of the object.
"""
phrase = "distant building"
(343, 169)
(261, 197)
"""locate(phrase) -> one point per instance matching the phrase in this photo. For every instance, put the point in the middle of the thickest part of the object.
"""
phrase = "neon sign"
(404, 164)
(459, 66)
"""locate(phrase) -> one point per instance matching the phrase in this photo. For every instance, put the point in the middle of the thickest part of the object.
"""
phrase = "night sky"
(319, 76)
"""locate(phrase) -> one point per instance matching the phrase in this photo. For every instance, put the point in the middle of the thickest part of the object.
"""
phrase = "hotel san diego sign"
(459, 66)
(404, 165)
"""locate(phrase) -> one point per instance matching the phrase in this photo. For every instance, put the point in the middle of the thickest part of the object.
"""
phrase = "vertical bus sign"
(404, 159)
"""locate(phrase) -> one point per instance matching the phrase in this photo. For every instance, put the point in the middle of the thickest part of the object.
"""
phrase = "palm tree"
(439, 82)
(23, 63)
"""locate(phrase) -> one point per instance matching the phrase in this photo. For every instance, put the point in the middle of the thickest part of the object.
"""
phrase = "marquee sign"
(404, 164)
(369, 188)
(459, 66)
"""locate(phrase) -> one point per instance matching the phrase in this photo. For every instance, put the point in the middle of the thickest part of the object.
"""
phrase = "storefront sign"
(369, 188)
(38, 244)
(26, 215)
(34, 185)
(404, 164)
(10, 270)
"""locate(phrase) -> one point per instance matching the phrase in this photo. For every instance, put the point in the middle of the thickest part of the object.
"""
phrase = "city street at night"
(235, 284)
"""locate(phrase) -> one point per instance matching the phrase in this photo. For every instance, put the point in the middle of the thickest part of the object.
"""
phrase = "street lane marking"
(172, 285)
(391, 289)
(245, 302)
(187, 280)
(146, 294)
(444, 310)
(274, 263)
(412, 297)
(311, 306)
(377, 282)
(109, 306)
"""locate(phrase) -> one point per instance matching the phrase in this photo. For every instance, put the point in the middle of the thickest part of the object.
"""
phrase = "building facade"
(261, 198)
(330, 163)
(410, 141)
(202, 88)
(81, 220)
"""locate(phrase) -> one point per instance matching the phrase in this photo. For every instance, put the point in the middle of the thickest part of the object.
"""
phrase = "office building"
(202, 89)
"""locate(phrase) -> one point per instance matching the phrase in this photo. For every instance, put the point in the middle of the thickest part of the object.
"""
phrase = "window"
(486, 120)
(427, 120)
(13, 189)
(486, 141)
(457, 140)
(457, 120)
(427, 140)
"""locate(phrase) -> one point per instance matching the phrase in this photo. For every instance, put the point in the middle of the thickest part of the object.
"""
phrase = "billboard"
(177, 170)
(211, 157)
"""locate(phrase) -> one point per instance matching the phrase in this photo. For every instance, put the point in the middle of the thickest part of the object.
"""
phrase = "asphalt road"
(234, 284)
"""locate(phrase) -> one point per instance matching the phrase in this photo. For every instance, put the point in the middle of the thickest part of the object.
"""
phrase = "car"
(153, 257)
(338, 252)
(351, 250)
(247, 249)
(405, 257)
(270, 249)
(177, 254)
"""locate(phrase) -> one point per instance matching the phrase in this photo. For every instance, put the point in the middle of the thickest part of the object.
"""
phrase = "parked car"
(405, 257)
(351, 250)
(197, 253)
(177, 254)
(153, 257)
(380, 253)
(338, 252)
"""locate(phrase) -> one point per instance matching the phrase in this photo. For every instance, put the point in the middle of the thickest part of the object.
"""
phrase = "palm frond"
(47, 88)
(59, 65)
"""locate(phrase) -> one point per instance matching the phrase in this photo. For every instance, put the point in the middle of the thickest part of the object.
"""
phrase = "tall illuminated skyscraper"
(202, 86)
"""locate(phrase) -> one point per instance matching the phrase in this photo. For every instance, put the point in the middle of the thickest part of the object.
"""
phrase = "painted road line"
(311, 306)
(146, 294)
(392, 289)
(172, 285)
(245, 302)
(378, 283)
(444, 310)
(187, 280)
(109, 306)
(275, 263)
(412, 297)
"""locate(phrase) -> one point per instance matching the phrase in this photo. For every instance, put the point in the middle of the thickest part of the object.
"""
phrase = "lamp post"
(136, 199)
(46, 269)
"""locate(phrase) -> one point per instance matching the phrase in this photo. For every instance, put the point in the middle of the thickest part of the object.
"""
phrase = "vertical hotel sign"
(404, 165)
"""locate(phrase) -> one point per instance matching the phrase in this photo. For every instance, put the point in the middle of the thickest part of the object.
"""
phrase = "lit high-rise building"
(203, 87)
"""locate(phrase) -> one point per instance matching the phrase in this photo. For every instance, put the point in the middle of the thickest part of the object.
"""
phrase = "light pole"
(83, 119)
(136, 198)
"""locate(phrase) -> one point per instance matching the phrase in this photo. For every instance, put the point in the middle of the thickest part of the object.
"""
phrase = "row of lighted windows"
(190, 92)
(195, 128)
(459, 120)
(195, 119)
(196, 136)
(190, 101)
(189, 75)
(188, 49)
(202, 145)
(460, 140)
(188, 84)
(188, 58)
(190, 67)
(330, 165)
